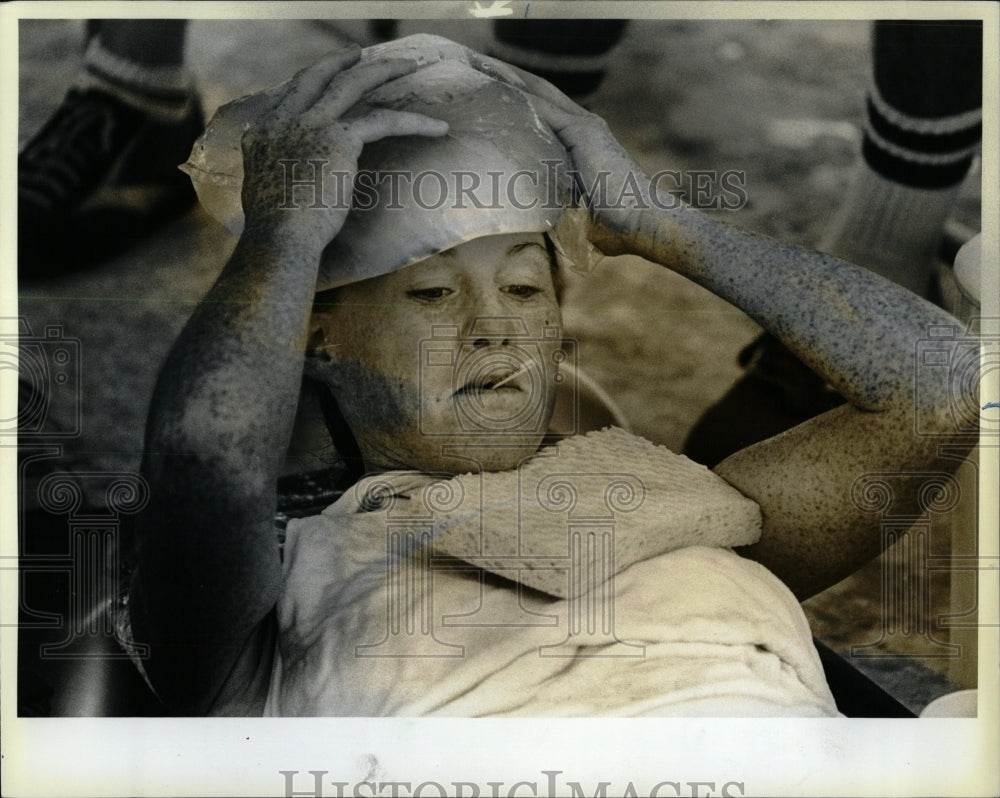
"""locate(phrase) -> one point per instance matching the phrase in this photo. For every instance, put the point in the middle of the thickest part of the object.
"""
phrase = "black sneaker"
(776, 392)
(97, 177)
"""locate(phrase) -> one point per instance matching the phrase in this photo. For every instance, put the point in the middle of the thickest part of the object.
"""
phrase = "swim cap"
(500, 169)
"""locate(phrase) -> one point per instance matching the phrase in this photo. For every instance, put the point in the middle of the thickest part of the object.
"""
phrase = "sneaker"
(776, 393)
(98, 177)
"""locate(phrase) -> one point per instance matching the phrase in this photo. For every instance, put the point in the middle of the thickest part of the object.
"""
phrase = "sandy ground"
(779, 101)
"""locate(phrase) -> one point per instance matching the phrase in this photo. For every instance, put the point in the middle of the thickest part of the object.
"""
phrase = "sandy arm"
(208, 570)
(859, 331)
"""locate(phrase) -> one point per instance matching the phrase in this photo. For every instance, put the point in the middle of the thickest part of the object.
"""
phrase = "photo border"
(227, 756)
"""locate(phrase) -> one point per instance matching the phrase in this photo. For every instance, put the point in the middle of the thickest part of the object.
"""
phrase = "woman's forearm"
(856, 329)
(224, 404)
(860, 332)
(230, 383)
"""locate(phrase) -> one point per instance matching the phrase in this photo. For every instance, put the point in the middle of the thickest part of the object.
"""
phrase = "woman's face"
(450, 364)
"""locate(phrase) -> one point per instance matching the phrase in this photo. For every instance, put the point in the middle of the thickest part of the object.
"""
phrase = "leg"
(923, 128)
(142, 63)
(570, 54)
(101, 173)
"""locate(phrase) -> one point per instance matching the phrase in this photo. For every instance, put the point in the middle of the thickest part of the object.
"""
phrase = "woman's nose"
(488, 321)
(483, 331)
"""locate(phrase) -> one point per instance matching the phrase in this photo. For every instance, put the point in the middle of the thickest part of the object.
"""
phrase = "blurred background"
(781, 102)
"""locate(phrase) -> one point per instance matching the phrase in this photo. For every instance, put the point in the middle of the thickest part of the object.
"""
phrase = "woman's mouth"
(499, 380)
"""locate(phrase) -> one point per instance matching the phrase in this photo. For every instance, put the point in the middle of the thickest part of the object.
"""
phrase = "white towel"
(373, 622)
(608, 488)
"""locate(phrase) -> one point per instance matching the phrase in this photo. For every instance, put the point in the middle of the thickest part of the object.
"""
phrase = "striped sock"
(570, 54)
(922, 132)
(165, 91)
(925, 153)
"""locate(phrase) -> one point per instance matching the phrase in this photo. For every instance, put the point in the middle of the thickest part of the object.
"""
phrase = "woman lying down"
(472, 568)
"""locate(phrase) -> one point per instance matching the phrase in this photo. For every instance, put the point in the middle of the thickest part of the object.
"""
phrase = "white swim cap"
(500, 169)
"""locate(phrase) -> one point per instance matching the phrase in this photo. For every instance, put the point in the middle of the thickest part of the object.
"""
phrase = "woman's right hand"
(304, 131)
(613, 187)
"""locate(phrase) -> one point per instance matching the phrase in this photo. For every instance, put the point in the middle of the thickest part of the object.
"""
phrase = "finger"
(555, 116)
(542, 88)
(351, 86)
(497, 69)
(568, 129)
(309, 84)
(383, 123)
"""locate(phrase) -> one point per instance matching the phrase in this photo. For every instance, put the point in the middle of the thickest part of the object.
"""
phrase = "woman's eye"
(522, 291)
(429, 294)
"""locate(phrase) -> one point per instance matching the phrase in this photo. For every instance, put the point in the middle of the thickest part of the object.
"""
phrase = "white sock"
(890, 228)
(910, 173)
(163, 91)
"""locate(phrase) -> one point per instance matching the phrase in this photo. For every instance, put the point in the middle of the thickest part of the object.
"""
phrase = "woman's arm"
(861, 333)
(857, 330)
(208, 570)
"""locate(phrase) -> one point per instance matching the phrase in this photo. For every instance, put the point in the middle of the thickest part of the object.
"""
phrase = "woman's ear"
(316, 340)
(320, 361)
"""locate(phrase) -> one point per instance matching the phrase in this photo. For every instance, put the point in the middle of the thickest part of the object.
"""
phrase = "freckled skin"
(221, 417)
(496, 290)
(856, 329)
